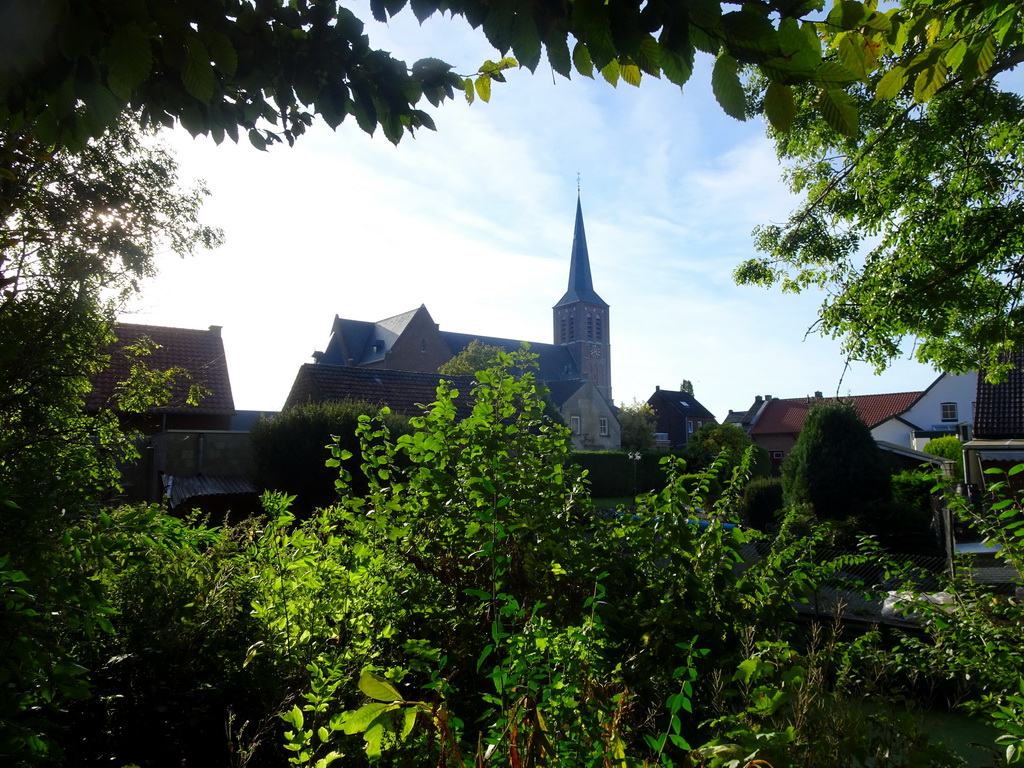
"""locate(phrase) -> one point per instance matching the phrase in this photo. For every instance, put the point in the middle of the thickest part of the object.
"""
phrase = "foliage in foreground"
(470, 608)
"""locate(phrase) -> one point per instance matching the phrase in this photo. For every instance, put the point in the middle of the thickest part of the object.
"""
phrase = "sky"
(475, 221)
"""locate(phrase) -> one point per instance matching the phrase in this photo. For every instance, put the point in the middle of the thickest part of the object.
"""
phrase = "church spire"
(581, 284)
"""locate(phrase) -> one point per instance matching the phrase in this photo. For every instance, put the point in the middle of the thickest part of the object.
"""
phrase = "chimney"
(215, 330)
(757, 399)
(817, 394)
(657, 387)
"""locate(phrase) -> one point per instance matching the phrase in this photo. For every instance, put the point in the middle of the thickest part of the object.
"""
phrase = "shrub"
(762, 501)
(950, 448)
(835, 466)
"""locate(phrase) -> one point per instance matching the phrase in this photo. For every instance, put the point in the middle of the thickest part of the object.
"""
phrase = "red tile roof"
(786, 416)
(201, 353)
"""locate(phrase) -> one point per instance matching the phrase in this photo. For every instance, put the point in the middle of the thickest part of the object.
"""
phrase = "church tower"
(581, 317)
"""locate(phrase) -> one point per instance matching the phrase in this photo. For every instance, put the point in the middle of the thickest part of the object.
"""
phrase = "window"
(604, 427)
(777, 455)
(574, 424)
(700, 424)
(689, 426)
(949, 412)
(599, 338)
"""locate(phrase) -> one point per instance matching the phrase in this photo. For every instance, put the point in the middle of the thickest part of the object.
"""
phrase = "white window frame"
(689, 426)
(949, 412)
(574, 424)
(604, 427)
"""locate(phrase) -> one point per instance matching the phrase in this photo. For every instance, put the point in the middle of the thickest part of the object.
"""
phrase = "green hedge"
(610, 473)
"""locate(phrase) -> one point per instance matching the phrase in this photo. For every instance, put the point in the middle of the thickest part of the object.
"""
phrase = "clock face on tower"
(595, 350)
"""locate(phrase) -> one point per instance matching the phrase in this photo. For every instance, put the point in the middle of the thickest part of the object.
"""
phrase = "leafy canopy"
(914, 230)
(226, 67)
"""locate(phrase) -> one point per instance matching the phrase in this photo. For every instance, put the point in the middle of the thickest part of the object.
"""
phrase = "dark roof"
(581, 284)
(787, 415)
(554, 361)
(201, 353)
(563, 390)
(683, 402)
(181, 489)
(999, 408)
(402, 391)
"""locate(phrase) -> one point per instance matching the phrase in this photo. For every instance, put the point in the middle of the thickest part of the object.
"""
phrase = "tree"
(835, 466)
(915, 229)
(637, 422)
(477, 356)
(226, 67)
(712, 440)
(686, 386)
(79, 231)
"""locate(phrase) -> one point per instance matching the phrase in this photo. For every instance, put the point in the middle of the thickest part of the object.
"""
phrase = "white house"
(936, 412)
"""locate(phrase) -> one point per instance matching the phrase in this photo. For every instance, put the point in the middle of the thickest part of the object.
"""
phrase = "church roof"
(581, 284)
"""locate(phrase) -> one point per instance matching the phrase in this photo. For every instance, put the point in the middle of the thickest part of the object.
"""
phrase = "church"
(575, 367)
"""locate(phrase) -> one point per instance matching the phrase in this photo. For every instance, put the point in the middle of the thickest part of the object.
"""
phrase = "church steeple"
(581, 317)
(581, 284)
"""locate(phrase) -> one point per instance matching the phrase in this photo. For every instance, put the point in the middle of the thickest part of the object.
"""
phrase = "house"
(937, 412)
(900, 422)
(778, 422)
(679, 415)
(188, 451)
(575, 367)
(997, 441)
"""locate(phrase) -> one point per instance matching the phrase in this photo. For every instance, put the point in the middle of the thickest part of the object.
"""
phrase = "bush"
(762, 501)
(950, 448)
(290, 450)
(835, 466)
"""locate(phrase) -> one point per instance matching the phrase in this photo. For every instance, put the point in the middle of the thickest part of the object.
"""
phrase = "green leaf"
(197, 71)
(129, 57)
(483, 87)
(630, 74)
(581, 60)
(611, 72)
(857, 54)
(929, 81)
(409, 721)
(558, 54)
(891, 84)
(779, 106)
(361, 719)
(469, 89)
(526, 40)
(979, 57)
(223, 53)
(728, 90)
(377, 687)
(839, 110)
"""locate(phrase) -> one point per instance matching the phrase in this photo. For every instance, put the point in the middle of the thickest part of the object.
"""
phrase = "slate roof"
(402, 391)
(787, 415)
(999, 408)
(581, 283)
(554, 361)
(683, 402)
(200, 352)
